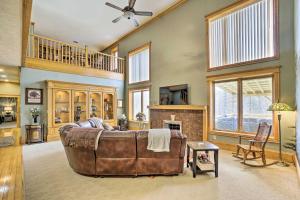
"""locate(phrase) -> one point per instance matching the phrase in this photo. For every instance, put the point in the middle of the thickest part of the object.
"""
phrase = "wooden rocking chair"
(256, 146)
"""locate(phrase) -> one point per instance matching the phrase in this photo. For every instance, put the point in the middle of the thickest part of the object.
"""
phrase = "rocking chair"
(256, 146)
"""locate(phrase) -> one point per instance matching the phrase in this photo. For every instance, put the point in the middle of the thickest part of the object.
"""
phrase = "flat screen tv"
(174, 95)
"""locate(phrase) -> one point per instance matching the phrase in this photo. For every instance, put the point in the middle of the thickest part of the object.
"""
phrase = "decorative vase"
(35, 118)
(172, 117)
(141, 125)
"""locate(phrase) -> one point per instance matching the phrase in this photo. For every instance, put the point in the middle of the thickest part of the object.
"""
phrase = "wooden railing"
(43, 48)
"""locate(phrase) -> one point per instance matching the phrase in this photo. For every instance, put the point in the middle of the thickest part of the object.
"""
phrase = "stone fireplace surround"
(192, 117)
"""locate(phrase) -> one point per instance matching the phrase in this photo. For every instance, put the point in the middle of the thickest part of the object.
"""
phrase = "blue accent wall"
(34, 78)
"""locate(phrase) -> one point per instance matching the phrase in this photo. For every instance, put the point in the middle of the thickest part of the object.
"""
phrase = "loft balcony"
(49, 54)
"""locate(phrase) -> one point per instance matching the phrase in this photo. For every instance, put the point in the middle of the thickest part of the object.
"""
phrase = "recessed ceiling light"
(1, 70)
(3, 76)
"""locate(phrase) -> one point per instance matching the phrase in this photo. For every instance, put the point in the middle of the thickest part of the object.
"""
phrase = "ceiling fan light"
(129, 12)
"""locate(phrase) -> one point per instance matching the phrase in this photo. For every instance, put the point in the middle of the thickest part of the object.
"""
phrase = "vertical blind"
(139, 66)
(243, 35)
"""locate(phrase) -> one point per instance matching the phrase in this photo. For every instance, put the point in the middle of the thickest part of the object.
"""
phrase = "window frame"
(231, 8)
(130, 102)
(273, 72)
(135, 51)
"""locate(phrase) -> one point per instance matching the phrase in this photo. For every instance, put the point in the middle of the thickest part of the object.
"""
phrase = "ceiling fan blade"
(143, 13)
(131, 3)
(113, 6)
(117, 19)
(135, 22)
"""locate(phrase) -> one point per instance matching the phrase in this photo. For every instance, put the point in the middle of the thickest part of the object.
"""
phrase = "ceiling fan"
(129, 12)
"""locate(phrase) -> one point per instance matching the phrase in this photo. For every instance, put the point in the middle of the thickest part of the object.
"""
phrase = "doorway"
(9, 112)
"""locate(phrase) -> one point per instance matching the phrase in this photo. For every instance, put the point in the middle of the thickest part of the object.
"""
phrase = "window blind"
(139, 66)
(246, 34)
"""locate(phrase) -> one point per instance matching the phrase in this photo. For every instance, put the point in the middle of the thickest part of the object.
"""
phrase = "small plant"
(35, 112)
(123, 117)
(140, 117)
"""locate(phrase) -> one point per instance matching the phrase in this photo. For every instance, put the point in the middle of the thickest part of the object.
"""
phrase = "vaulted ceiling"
(88, 21)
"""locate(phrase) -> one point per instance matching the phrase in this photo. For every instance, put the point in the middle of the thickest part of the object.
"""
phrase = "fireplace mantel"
(193, 117)
(178, 107)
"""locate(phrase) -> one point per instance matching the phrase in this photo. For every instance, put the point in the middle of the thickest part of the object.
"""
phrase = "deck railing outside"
(43, 48)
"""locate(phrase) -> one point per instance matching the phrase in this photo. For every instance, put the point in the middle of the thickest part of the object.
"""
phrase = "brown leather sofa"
(125, 153)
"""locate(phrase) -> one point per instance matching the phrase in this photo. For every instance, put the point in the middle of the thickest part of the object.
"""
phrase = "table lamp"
(278, 107)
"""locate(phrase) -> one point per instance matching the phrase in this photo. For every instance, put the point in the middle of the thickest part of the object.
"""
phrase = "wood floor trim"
(297, 167)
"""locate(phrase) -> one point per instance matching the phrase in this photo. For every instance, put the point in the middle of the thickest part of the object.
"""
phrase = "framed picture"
(33, 96)
(120, 103)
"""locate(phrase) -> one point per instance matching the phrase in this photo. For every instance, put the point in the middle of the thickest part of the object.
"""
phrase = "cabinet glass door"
(95, 104)
(62, 106)
(80, 108)
(108, 106)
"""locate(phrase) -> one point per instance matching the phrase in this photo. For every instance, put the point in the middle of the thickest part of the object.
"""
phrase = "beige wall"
(9, 88)
(10, 32)
(178, 53)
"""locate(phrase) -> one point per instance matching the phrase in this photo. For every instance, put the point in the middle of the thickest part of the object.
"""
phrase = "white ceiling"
(88, 21)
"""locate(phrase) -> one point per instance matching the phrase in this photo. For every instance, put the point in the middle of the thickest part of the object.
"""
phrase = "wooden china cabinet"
(72, 102)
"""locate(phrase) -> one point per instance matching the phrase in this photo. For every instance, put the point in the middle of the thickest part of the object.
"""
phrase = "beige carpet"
(48, 176)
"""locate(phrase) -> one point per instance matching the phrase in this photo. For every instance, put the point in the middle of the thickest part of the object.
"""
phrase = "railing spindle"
(69, 48)
(32, 46)
(76, 57)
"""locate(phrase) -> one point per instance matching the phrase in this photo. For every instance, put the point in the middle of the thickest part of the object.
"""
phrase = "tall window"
(226, 104)
(139, 62)
(139, 66)
(240, 103)
(139, 103)
(257, 97)
(243, 33)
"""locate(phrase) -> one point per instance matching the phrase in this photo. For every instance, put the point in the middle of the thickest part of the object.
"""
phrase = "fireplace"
(173, 125)
(190, 119)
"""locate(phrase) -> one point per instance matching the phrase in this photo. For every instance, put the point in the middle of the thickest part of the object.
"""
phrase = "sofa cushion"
(117, 144)
(175, 146)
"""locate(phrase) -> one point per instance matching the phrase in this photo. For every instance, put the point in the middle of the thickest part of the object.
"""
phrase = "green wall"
(297, 58)
(178, 53)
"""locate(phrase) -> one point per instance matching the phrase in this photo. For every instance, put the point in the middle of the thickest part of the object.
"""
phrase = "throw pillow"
(108, 127)
(97, 121)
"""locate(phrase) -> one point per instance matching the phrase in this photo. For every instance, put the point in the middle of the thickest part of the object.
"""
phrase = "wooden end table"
(196, 165)
(35, 129)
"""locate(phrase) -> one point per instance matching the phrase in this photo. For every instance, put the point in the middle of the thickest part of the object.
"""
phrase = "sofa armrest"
(63, 137)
